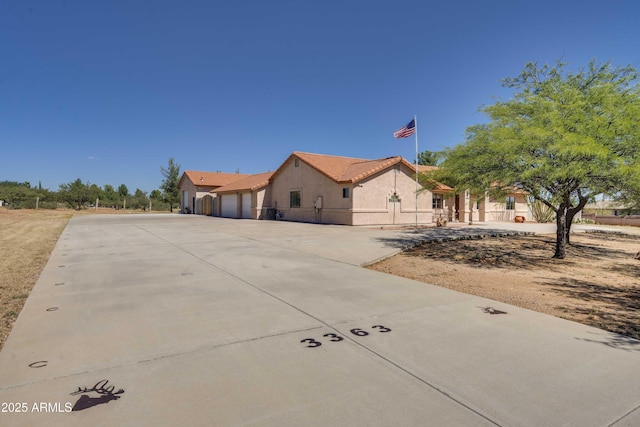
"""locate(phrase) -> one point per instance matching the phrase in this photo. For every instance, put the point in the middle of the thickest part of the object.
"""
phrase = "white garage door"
(246, 206)
(229, 206)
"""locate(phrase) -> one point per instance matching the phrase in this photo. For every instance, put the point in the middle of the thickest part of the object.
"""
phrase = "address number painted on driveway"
(313, 343)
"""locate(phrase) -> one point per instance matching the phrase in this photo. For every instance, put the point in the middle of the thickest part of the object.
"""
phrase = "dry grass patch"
(598, 284)
(27, 238)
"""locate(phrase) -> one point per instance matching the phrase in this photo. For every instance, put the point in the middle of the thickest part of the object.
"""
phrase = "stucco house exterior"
(463, 206)
(244, 198)
(327, 189)
(515, 204)
(195, 185)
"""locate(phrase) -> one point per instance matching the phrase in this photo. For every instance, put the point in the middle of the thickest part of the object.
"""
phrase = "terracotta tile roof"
(349, 169)
(343, 169)
(424, 168)
(250, 183)
(210, 179)
(360, 170)
(508, 189)
(332, 166)
(433, 185)
(437, 187)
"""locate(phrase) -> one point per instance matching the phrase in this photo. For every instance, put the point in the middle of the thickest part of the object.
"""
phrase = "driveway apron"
(186, 320)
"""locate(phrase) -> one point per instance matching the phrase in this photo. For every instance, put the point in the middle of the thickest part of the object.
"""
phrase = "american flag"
(406, 131)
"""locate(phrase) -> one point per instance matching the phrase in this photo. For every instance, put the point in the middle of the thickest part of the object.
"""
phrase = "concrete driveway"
(185, 320)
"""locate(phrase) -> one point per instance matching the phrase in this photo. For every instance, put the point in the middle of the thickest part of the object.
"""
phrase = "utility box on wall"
(318, 203)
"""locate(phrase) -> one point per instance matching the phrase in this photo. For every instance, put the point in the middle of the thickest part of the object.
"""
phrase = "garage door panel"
(229, 206)
(246, 206)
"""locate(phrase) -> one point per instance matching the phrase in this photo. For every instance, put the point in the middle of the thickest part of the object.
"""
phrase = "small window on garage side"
(345, 193)
(296, 162)
(511, 203)
(294, 199)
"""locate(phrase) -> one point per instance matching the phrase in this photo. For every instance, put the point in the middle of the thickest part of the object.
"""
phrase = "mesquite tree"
(563, 138)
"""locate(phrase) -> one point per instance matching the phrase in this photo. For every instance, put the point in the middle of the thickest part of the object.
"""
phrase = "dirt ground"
(27, 238)
(598, 283)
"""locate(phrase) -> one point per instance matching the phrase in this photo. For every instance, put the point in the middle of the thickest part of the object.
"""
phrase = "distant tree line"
(82, 195)
(79, 195)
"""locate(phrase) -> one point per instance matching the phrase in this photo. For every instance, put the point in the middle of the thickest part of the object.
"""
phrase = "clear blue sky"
(107, 91)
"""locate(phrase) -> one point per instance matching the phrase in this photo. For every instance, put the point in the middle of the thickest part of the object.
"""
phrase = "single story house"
(195, 185)
(328, 189)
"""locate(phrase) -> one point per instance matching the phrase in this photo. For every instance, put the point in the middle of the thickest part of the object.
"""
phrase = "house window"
(436, 201)
(345, 193)
(296, 163)
(511, 203)
(294, 199)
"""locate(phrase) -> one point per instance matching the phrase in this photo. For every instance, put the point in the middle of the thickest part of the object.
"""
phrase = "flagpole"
(415, 118)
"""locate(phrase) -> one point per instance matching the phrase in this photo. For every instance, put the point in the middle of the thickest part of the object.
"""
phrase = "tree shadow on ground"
(608, 235)
(620, 342)
(625, 269)
(415, 237)
(510, 252)
(499, 249)
(610, 307)
(584, 290)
